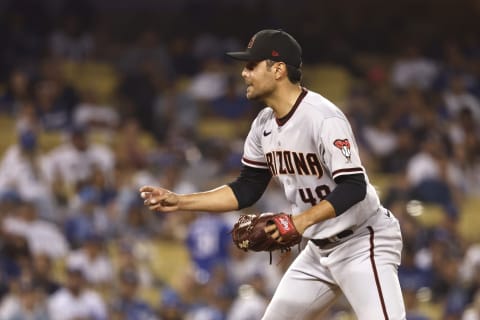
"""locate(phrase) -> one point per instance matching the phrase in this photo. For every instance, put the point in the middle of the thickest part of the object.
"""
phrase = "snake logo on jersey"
(344, 146)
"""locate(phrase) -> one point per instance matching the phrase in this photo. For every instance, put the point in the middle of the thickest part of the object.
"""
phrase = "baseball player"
(306, 144)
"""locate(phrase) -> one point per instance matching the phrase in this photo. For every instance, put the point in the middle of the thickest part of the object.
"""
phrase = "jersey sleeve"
(253, 155)
(339, 149)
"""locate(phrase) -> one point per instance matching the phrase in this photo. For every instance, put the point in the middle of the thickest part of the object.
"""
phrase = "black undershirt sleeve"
(250, 185)
(350, 190)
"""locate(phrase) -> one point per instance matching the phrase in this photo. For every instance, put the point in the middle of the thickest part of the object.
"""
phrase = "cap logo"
(275, 53)
(250, 43)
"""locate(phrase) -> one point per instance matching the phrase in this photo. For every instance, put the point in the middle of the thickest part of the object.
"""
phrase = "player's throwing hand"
(159, 199)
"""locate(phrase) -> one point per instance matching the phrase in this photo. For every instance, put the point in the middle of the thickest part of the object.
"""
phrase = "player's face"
(260, 80)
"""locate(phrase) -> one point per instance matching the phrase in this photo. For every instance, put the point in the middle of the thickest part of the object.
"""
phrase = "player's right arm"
(220, 199)
(241, 193)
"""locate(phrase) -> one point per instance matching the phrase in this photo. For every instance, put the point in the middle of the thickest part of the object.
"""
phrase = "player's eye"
(251, 65)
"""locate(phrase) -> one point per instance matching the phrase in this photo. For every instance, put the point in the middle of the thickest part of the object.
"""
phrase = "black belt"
(332, 239)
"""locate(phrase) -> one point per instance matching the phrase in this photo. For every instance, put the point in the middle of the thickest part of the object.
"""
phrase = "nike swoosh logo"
(265, 133)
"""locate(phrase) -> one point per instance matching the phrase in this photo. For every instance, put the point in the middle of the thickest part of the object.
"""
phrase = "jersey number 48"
(321, 192)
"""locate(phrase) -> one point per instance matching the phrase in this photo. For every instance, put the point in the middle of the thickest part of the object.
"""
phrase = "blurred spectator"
(433, 177)
(43, 237)
(51, 69)
(126, 303)
(206, 304)
(210, 83)
(360, 108)
(473, 310)
(132, 147)
(465, 137)
(413, 69)
(183, 60)
(75, 301)
(470, 268)
(138, 90)
(139, 224)
(14, 256)
(18, 91)
(208, 242)
(53, 113)
(26, 118)
(442, 260)
(380, 137)
(405, 147)
(175, 112)
(171, 306)
(412, 304)
(72, 41)
(149, 48)
(232, 105)
(411, 276)
(22, 35)
(42, 275)
(26, 301)
(104, 187)
(455, 64)
(456, 97)
(249, 304)
(91, 113)
(88, 217)
(24, 170)
(133, 256)
(219, 292)
(415, 235)
(93, 261)
(207, 46)
(75, 161)
(243, 267)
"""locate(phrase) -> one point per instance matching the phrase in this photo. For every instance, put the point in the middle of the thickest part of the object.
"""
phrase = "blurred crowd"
(92, 118)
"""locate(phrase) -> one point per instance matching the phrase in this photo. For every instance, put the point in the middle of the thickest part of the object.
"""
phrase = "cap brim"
(241, 55)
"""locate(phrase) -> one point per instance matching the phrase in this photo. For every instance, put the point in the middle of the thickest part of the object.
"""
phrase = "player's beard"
(258, 94)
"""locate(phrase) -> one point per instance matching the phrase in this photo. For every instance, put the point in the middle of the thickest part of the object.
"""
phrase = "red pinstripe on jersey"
(255, 163)
(375, 273)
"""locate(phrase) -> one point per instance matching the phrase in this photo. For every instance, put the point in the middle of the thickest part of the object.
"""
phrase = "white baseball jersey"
(305, 151)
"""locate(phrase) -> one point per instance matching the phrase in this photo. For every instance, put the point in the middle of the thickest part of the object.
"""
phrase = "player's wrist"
(299, 223)
(318, 213)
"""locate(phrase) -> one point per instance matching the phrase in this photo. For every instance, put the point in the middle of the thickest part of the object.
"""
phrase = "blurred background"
(100, 97)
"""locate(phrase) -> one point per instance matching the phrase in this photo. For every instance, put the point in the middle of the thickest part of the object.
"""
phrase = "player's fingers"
(158, 198)
(161, 208)
(270, 228)
(145, 194)
(275, 235)
(147, 189)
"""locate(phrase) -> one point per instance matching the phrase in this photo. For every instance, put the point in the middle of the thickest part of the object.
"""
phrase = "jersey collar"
(281, 121)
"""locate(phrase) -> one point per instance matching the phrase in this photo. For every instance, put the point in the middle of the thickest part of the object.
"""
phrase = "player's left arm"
(350, 190)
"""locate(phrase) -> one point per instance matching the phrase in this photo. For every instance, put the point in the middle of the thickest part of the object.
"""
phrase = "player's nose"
(245, 73)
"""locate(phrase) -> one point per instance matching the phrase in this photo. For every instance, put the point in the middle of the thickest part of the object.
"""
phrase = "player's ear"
(280, 69)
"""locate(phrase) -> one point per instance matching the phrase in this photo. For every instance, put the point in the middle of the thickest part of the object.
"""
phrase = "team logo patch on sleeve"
(344, 146)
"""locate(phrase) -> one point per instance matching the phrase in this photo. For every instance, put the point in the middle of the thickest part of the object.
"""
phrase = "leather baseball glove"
(248, 232)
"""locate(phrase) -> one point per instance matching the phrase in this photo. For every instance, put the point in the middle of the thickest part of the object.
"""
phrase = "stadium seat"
(329, 80)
